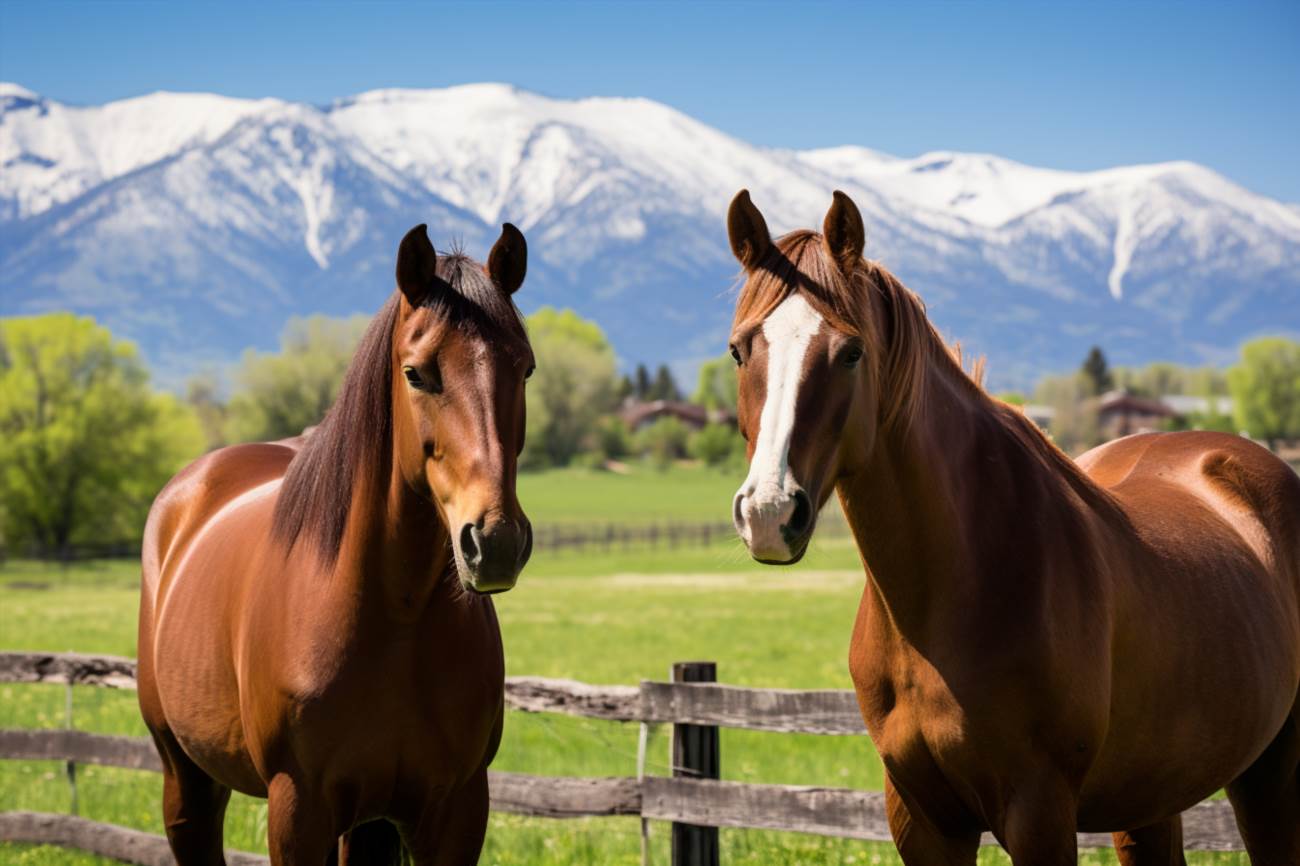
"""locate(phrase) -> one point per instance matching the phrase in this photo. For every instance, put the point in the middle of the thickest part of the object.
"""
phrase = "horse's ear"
(747, 231)
(843, 232)
(417, 264)
(508, 262)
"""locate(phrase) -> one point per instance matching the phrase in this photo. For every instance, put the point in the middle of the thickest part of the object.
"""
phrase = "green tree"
(716, 386)
(203, 394)
(1097, 372)
(717, 445)
(1075, 425)
(665, 386)
(663, 441)
(85, 443)
(613, 441)
(575, 383)
(280, 394)
(642, 383)
(1265, 387)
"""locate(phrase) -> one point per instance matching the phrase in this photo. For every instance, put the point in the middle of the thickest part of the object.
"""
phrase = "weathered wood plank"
(133, 753)
(797, 808)
(106, 840)
(851, 814)
(831, 711)
(563, 797)
(114, 672)
(545, 695)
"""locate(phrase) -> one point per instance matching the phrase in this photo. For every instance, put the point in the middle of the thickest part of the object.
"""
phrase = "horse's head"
(807, 347)
(460, 358)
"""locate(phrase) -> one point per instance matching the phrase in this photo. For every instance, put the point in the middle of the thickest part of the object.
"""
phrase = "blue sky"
(1066, 85)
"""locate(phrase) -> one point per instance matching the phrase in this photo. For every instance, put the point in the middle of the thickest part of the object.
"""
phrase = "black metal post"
(696, 755)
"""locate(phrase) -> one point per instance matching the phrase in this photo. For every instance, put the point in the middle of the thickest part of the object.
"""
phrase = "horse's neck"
(937, 507)
(396, 550)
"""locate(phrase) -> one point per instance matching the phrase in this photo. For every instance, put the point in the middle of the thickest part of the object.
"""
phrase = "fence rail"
(552, 537)
(705, 802)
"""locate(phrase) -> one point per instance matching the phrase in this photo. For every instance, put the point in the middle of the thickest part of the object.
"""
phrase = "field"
(614, 618)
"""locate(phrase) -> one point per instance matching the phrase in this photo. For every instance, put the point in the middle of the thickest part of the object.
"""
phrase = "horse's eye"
(529, 374)
(735, 354)
(431, 383)
(851, 356)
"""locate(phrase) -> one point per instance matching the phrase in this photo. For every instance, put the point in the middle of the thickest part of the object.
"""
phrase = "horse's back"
(1206, 594)
(1165, 476)
(200, 491)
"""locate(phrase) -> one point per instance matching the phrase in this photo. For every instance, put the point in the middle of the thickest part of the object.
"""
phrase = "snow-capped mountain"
(196, 224)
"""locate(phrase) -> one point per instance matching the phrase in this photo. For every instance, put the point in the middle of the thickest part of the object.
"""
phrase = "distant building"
(1185, 404)
(1120, 413)
(636, 414)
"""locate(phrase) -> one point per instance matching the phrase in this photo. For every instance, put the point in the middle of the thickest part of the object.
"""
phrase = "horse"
(316, 626)
(1041, 646)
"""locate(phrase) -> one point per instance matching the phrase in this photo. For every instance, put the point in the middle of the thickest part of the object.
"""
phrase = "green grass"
(607, 618)
(642, 495)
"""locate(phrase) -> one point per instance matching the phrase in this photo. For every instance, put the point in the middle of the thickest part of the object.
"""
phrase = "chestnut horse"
(1042, 646)
(314, 620)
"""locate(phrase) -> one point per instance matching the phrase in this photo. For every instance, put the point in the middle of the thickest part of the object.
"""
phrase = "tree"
(663, 441)
(717, 445)
(85, 444)
(716, 386)
(1265, 387)
(280, 394)
(642, 382)
(575, 384)
(1097, 372)
(1075, 423)
(665, 386)
(203, 394)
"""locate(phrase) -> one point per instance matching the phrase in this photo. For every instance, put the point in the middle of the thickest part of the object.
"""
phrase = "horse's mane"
(356, 434)
(903, 346)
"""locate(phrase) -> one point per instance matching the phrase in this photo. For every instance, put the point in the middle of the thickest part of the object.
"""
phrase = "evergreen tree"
(1097, 371)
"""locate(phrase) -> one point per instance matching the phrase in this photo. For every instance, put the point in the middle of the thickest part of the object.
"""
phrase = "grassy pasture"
(614, 618)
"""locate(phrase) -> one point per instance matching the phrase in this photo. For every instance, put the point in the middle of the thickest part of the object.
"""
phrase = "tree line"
(86, 441)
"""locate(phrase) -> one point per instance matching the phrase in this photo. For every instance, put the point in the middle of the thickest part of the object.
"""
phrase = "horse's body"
(355, 673)
(1041, 646)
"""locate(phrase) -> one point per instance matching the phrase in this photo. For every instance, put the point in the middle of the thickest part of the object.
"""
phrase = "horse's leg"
(376, 843)
(919, 842)
(300, 831)
(451, 831)
(1154, 845)
(1266, 799)
(194, 806)
(1039, 823)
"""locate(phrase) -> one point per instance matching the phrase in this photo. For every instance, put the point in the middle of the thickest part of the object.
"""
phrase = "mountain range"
(196, 224)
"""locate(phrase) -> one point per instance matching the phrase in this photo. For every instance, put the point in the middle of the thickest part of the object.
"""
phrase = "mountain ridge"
(192, 222)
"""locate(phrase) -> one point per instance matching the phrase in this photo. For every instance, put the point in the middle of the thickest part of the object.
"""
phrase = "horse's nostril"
(801, 517)
(469, 547)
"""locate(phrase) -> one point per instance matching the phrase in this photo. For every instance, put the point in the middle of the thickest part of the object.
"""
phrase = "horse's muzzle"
(492, 556)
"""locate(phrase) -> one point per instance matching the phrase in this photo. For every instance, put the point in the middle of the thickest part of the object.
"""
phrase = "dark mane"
(356, 434)
(907, 345)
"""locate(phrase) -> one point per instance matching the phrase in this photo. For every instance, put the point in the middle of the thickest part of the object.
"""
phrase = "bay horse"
(1041, 646)
(315, 620)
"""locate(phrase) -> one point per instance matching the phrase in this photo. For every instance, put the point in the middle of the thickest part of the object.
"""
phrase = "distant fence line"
(555, 537)
(694, 803)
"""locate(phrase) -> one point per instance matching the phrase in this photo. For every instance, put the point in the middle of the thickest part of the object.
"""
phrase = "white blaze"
(764, 502)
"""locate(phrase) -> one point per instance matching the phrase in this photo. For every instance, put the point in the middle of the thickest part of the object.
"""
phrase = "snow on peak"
(9, 89)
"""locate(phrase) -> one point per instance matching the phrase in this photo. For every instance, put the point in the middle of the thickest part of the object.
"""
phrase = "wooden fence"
(552, 537)
(689, 799)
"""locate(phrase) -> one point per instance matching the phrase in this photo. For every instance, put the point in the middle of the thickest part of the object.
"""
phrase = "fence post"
(70, 767)
(696, 754)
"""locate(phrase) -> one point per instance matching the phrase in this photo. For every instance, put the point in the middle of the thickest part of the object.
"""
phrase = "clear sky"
(1065, 85)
